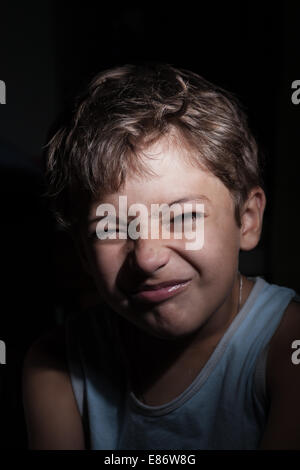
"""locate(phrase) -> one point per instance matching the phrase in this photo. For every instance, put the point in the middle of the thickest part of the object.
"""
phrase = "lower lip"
(157, 295)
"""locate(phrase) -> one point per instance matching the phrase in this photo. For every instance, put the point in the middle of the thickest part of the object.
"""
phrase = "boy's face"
(123, 265)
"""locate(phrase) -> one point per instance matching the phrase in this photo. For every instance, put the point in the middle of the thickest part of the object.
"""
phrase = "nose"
(149, 255)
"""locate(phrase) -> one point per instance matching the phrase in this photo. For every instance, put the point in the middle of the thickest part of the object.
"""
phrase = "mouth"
(160, 292)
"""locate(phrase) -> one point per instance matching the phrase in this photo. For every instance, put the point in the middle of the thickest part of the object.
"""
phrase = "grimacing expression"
(121, 266)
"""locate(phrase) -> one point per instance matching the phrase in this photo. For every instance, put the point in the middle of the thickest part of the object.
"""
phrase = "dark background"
(48, 51)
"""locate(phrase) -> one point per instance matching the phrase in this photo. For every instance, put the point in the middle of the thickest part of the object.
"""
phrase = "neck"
(150, 357)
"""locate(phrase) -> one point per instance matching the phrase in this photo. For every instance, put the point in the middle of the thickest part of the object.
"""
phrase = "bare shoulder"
(283, 383)
(48, 351)
(279, 364)
(52, 417)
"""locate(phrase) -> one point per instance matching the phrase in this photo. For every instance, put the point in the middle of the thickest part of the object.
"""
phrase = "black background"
(48, 51)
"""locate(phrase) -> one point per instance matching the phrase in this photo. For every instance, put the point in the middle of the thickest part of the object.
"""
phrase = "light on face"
(186, 222)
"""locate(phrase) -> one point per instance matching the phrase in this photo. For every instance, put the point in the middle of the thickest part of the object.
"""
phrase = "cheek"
(220, 249)
(106, 263)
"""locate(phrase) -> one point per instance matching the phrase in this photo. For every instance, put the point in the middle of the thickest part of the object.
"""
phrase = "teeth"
(175, 287)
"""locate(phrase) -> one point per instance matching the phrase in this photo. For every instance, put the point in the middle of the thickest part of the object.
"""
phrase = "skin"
(175, 337)
(210, 300)
(179, 334)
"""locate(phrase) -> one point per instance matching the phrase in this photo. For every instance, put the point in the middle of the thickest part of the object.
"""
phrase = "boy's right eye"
(97, 234)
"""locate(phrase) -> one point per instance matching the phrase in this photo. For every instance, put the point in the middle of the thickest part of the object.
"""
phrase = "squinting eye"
(94, 236)
(188, 215)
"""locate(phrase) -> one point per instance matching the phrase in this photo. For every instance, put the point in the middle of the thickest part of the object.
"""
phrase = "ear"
(252, 219)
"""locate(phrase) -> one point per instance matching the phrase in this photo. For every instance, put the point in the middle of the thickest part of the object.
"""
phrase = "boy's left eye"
(178, 223)
(188, 215)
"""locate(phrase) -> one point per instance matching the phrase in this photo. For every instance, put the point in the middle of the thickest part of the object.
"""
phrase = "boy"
(183, 352)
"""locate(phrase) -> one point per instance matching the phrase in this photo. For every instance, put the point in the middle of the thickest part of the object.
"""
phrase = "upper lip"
(148, 286)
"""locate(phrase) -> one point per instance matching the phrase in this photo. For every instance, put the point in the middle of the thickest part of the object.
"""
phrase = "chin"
(170, 327)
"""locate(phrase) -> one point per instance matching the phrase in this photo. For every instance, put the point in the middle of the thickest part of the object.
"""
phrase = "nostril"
(147, 258)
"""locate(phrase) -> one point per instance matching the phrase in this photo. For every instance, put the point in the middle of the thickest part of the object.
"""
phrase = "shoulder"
(279, 364)
(283, 383)
(280, 348)
(52, 417)
(47, 356)
(47, 350)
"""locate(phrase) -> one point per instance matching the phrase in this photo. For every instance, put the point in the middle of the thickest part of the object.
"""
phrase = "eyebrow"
(189, 198)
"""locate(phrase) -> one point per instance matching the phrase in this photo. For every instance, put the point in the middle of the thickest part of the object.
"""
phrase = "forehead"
(176, 176)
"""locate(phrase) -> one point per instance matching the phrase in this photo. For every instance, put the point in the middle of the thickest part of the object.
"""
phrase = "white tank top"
(225, 407)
